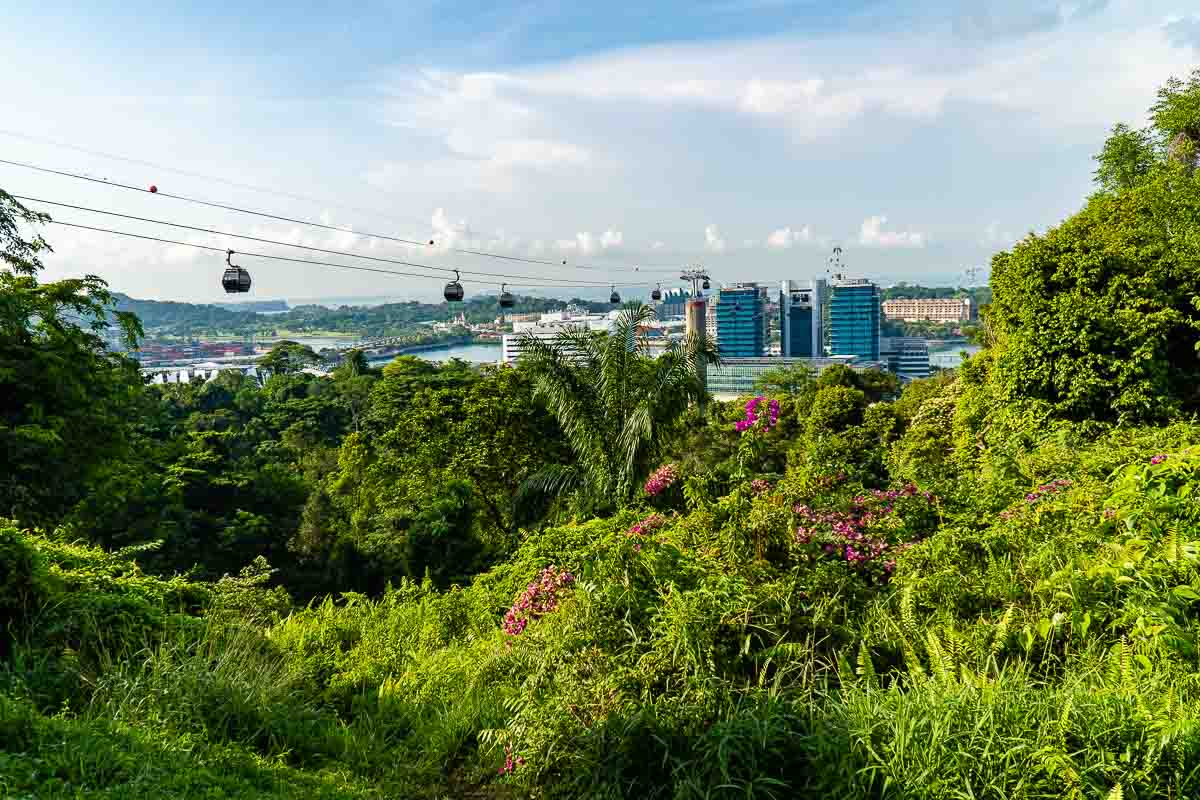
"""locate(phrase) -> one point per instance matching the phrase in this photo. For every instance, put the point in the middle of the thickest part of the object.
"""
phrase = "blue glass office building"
(800, 332)
(854, 318)
(741, 332)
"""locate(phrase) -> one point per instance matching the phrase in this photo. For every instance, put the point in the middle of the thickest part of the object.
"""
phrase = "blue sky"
(747, 135)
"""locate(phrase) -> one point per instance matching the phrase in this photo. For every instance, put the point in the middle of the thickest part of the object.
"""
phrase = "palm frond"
(610, 396)
(563, 384)
(552, 480)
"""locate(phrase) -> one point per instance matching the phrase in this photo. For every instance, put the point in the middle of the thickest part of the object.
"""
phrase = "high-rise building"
(741, 332)
(800, 334)
(854, 315)
(674, 303)
(906, 356)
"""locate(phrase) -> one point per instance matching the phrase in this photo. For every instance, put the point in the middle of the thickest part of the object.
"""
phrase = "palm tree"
(610, 397)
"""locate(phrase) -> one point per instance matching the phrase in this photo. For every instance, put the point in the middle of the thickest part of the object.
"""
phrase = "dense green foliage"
(1098, 319)
(331, 587)
(62, 393)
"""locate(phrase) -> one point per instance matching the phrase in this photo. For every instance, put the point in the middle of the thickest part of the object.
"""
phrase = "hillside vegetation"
(167, 318)
(564, 580)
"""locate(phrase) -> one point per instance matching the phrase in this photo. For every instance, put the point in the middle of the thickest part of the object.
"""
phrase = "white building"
(942, 309)
(548, 327)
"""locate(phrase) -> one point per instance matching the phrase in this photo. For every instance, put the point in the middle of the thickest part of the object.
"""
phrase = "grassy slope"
(1043, 649)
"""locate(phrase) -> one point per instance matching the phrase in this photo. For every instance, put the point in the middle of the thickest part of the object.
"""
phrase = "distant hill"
(391, 319)
(257, 306)
(159, 314)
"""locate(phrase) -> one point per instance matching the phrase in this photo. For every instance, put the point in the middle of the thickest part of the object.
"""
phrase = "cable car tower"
(698, 278)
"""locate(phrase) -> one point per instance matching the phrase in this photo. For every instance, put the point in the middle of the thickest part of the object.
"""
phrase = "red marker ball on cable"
(153, 189)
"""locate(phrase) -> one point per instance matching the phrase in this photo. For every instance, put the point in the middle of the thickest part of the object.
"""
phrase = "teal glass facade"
(800, 332)
(854, 315)
(740, 324)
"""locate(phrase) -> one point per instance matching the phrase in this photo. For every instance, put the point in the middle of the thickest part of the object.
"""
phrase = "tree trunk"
(1184, 149)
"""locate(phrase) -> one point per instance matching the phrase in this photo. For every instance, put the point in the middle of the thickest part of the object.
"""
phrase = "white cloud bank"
(587, 244)
(872, 234)
(786, 238)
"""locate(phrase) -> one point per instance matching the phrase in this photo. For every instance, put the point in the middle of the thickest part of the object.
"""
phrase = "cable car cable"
(289, 259)
(344, 254)
(280, 218)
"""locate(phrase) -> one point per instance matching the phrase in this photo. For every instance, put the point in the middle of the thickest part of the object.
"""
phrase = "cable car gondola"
(656, 295)
(706, 284)
(506, 298)
(235, 278)
(454, 291)
(614, 298)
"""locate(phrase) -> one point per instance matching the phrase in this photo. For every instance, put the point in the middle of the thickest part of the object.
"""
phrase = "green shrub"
(23, 584)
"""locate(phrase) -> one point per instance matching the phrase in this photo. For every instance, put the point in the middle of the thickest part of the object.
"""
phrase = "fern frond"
(845, 673)
(1119, 671)
(1064, 716)
(866, 669)
(939, 663)
(907, 610)
(1000, 634)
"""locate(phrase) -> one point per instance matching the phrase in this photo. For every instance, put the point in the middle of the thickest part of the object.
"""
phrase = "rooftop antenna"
(834, 265)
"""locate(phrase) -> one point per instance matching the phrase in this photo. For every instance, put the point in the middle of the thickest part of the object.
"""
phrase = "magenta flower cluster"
(1158, 459)
(760, 486)
(1045, 490)
(645, 527)
(1053, 487)
(661, 480)
(848, 535)
(755, 413)
(539, 598)
(510, 762)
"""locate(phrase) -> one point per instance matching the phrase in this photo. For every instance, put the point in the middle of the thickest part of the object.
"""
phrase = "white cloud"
(490, 137)
(448, 234)
(815, 87)
(586, 243)
(712, 239)
(537, 154)
(657, 245)
(785, 238)
(611, 239)
(872, 234)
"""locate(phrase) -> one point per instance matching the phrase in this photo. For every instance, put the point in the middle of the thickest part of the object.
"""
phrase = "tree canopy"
(64, 396)
(1097, 318)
